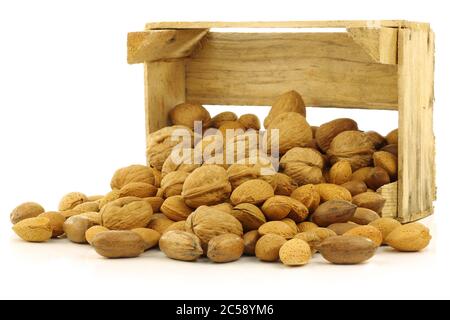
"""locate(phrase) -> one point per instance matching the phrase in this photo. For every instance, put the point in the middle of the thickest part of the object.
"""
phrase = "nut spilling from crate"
(220, 187)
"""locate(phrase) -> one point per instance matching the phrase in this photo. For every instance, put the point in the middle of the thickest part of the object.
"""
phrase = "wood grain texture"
(289, 24)
(390, 193)
(157, 45)
(164, 88)
(416, 138)
(379, 43)
(328, 69)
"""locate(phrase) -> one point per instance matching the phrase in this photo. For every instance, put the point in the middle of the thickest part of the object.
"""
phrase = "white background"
(71, 112)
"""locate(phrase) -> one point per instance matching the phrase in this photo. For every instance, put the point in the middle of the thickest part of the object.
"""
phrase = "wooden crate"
(368, 64)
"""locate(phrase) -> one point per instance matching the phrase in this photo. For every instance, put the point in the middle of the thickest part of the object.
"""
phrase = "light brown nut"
(268, 247)
(56, 222)
(306, 226)
(327, 131)
(377, 139)
(250, 239)
(25, 211)
(282, 184)
(377, 178)
(355, 187)
(75, 228)
(409, 237)
(35, 229)
(308, 195)
(315, 237)
(150, 237)
(291, 223)
(250, 121)
(370, 200)
(181, 245)
(138, 189)
(108, 198)
(353, 146)
(290, 101)
(71, 200)
(89, 206)
(293, 131)
(277, 227)
(155, 202)
(172, 183)
(341, 228)
(181, 160)
(94, 197)
(95, 217)
(392, 137)
(225, 248)
(368, 232)
(340, 172)
(159, 222)
(118, 244)
(386, 226)
(295, 252)
(364, 216)
(299, 212)
(126, 214)
(277, 207)
(185, 114)
(329, 191)
(207, 223)
(362, 174)
(230, 129)
(207, 185)
(333, 211)
(175, 208)
(249, 215)
(303, 165)
(219, 119)
(225, 207)
(391, 148)
(253, 191)
(93, 231)
(134, 173)
(347, 249)
(387, 161)
(179, 225)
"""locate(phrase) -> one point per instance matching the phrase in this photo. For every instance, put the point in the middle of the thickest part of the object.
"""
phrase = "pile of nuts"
(322, 198)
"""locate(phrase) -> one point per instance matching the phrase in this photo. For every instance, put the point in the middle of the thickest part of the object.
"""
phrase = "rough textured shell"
(327, 131)
(306, 226)
(36, 229)
(126, 214)
(181, 160)
(368, 232)
(207, 223)
(225, 248)
(181, 245)
(290, 101)
(118, 244)
(308, 195)
(172, 183)
(179, 225)
(218, 120)
(268, 247)
(293, 131)
(56, 222)
(71, 200)
(303, 165)
(175, 208)
(352, 146)
(151, 237)
(230, 129)
(138, 189)
(282, 184)
(161, 143)
(206, 185)
(340, 172)
(377, 139)
(25, 211)
(253, 191)
(386, 226)
(134, 173)
(330, 191)
(185, 114)
(250, 121)
(277, 227)
(392, 137)
(159, 222)
(387, 161)
(409, 238)
(295, 252)
(250, 216)
(277, 207)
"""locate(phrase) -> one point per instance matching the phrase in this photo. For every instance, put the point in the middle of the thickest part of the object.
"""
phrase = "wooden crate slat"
(390, 193)
(162, 44)
(329, 69)
(416, 138)
(288, 24)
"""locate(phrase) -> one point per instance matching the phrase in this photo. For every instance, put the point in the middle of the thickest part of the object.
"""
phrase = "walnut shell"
(353, 146)
(243, 146)
(207, 223)
(250, 121)
(249, 215)
(250, 169)
(185, 160)
(290, 101)
(293, 131)
(185, 114)
(175, 208)
(126, 214)
(207, 185)
(208, 147)
(138, 189)
(161, 143)
(308, 195)
(377, 139)
(253, 191)
(282, 184)
(303, 165)
(134, 173)
(328, 131)
(172, 183)
(219, 119)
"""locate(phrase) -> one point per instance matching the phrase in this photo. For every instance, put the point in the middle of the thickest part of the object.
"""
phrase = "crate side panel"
(416, 138)
(164, 88)
(328, 69)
